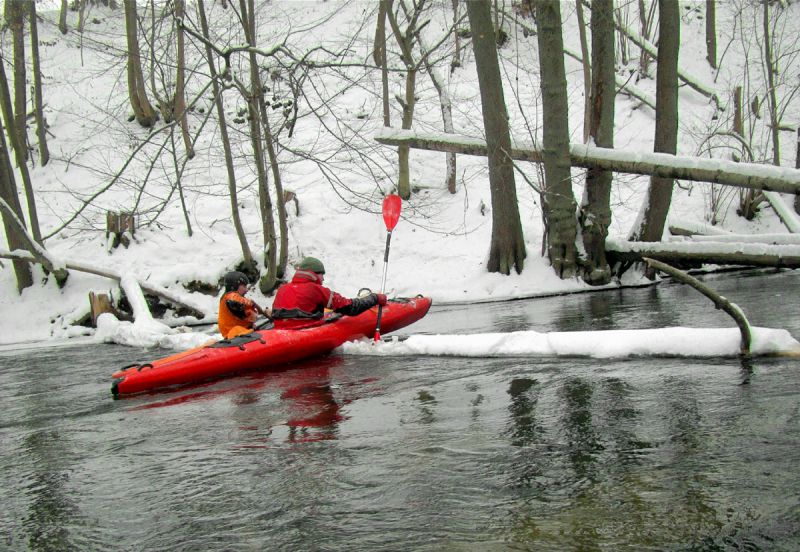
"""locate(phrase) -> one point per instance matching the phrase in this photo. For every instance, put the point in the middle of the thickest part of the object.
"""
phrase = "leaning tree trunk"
(595, 214)
(8, 191)
(659, 194)
(587, 71)
(558, 201)
(142, 110)
(8, 118)
(711, 33)
(38, 109)
(379, 54)
(226, 143)
(507, 248)
(180, 93)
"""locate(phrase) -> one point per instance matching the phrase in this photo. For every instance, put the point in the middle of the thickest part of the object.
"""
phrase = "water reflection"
(49, 509)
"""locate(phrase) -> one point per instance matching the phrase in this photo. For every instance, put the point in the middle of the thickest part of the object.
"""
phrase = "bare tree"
(16, 22)
(379, 54)
(659, 195)
(406, 40)
(226, 143)
(587, 70)
(507, 248)
(559, 204)
(38, 108)
(595, 214)
(180, 94)
(142, 110)
(770, 71)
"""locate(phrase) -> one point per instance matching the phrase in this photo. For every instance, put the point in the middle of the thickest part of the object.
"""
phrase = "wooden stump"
(120, 228)
(99, 303)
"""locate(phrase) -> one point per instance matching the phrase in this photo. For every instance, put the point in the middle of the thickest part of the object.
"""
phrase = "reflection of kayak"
(264, 349)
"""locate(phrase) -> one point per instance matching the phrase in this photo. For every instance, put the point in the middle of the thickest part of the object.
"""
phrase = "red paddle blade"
(391, 211)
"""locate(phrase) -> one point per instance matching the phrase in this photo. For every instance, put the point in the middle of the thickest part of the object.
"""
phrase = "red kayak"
(265, 349)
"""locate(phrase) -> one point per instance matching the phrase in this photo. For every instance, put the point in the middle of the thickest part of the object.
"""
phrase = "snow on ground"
(441, 244)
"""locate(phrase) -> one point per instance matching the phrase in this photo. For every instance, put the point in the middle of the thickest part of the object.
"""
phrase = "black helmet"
(234, 279)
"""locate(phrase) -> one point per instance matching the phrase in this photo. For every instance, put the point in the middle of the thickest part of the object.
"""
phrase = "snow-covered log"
(699, 169)
(706, 252)
(177, 299)
(49, 262)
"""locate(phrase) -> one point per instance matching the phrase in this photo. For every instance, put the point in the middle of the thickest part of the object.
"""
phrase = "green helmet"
(312, 265)
(234, 279)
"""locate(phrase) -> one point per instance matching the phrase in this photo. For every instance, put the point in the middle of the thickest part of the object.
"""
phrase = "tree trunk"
(269, 280)
(711, 33)
(226, 144)
(446, 106)
(379, 52)
(587, 71)
(8, 191)
(659, 195)
(558, 201)
(595, 214)
(8, 118)
(456, 63)
(405, 40)
(797, 166)
(180, 94)
(507, 248)
(142, 110)
(16, 23)
(770, 70)
(62, 17)
(41, 128)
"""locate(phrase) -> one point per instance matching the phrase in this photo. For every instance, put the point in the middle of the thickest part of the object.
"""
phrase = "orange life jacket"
(237, 314)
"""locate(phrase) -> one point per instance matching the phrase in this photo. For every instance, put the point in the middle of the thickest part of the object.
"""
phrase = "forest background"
(216, 177)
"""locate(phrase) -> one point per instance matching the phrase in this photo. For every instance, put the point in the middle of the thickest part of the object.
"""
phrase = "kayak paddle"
(391, 214)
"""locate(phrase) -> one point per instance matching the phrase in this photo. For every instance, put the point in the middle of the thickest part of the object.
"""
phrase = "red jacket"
(305, 299)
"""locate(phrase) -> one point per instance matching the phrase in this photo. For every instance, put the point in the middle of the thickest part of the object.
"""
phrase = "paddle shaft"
(383, 284)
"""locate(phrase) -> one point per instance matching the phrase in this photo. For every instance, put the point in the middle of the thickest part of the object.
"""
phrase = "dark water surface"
(422, 453)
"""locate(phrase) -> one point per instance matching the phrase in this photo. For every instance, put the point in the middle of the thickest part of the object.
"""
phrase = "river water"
(422, 453)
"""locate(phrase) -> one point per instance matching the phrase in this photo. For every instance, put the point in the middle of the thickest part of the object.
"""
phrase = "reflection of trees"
(524, 433)
(50, 509)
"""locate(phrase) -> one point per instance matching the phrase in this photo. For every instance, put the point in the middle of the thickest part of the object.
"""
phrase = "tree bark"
(269, 280)
(586, 64)
(16, 23)
(770, 70)
(379, 54)
(8, 191)
(711, 33)
(41, 128)
(8, 117)
(720, 302)
(180, 93)
(405, 40)
(659, 195)
(559, 204)
(226, 143)
(62, 17)
(507, 249)
(595, 214)
(142, 110)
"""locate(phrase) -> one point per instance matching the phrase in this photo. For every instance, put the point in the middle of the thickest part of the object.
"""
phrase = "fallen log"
(705, 252)
(195, 309)
(717, 171)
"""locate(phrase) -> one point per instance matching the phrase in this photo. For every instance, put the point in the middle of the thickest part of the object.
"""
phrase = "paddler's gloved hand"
(381, 299)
